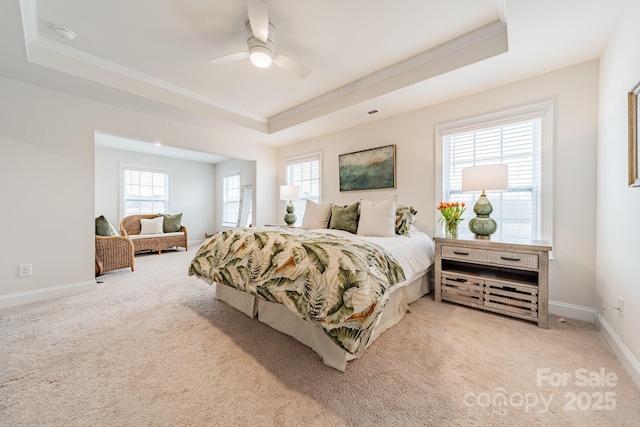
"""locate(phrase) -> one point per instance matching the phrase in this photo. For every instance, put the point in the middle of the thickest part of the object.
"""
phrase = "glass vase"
(451, 229)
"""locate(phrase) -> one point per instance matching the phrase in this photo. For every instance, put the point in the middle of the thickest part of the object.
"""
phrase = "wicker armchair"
(112, 253)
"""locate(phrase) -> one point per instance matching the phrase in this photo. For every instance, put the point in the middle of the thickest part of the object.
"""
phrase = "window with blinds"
(305, 172)
(145, 191)
(230, 198)
(517, 144)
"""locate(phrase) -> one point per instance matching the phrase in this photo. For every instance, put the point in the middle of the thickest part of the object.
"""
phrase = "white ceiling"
(390, 56)
(155, 148)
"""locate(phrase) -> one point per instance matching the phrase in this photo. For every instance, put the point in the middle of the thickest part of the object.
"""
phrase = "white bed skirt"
(281, 319)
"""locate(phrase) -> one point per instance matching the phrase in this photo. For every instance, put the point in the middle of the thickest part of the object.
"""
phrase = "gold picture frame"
(634, 161)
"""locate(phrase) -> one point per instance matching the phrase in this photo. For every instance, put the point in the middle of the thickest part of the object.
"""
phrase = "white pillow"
(151, 226)
(378, 219)
(316, 215)
(113, 230)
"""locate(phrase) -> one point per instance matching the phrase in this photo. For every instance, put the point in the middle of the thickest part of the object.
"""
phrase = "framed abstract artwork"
(634, 155)
(368, 169)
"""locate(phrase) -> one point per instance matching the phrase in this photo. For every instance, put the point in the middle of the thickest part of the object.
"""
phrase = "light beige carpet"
(155, 348)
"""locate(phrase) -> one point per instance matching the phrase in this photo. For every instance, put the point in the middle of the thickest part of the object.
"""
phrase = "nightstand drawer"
(486, 256)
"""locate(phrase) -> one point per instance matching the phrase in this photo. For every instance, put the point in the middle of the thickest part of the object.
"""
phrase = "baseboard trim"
(37, 295)
(572, 311)
(628, 360)
(195, 243)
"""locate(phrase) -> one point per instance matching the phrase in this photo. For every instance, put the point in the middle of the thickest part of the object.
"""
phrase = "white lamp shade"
(485, 178)
(289, 192)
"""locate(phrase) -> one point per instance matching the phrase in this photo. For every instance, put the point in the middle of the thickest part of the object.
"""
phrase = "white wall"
(192, 188)
(247, 177)
(618, 208)
(47, 182)
(574, 92)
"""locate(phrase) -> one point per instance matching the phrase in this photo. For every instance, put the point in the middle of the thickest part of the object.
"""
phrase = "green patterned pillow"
(345, 217)
(104, 228)
(172, 223)
(404, 218)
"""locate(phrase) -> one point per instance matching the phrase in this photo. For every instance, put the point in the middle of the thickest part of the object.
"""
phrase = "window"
(230, 198)
(517, 138)
(145, 191)
(305, 172)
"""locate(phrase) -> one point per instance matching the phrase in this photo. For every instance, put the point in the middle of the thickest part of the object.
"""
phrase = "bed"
(332, 290)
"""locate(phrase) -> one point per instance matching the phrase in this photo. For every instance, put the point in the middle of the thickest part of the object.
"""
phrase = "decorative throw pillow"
(345, 217)
(172, 223)
(113, 230)
(316, 215)
(151, 226)
(104, 228)
(404, 219)
(378, 219)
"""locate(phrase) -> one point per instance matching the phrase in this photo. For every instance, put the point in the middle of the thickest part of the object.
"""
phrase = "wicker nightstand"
(510, 278)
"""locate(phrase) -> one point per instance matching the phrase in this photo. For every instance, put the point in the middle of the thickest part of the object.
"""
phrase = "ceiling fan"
(261, 41)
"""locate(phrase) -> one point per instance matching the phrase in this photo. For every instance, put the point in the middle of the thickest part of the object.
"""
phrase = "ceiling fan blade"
(225, 59)
(291, 65)
(259, 19)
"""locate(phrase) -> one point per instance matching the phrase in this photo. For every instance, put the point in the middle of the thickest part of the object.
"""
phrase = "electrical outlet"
(621, 307)
(25, 270)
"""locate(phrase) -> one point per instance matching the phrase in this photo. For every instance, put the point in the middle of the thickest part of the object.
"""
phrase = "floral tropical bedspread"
(336, 282)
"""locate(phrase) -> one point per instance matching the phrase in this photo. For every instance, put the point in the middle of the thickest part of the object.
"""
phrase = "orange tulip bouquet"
(451, 216)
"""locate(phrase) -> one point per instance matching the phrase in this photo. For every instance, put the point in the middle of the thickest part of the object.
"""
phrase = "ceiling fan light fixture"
(260, 56)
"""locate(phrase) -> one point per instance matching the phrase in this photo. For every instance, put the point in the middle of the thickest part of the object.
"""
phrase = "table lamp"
(484, 178)
(290, 192)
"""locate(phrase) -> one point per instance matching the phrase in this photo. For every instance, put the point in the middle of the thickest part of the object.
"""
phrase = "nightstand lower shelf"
(507, 298)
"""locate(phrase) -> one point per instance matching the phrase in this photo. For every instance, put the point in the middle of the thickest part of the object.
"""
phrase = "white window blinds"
(145, 191)
(516, 144)
(305, 172)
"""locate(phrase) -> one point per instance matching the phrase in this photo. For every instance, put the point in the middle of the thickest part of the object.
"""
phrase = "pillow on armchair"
(104, 227)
